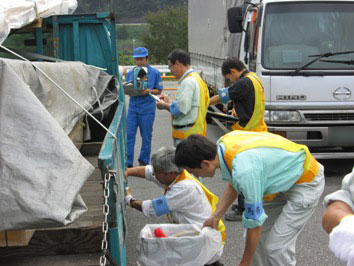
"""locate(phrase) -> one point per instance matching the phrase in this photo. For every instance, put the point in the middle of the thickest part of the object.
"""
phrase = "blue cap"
(140, 52)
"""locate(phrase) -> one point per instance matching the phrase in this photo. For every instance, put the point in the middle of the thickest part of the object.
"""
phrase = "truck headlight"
(282, 116)
(266, 116)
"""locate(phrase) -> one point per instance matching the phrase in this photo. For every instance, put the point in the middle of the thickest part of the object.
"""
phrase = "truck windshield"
(293, 31)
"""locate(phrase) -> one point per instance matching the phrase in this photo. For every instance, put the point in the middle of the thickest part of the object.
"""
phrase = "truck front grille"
(330, 117)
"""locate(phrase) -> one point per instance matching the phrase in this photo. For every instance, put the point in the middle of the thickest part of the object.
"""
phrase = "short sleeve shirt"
(186, 201)
(146, 104)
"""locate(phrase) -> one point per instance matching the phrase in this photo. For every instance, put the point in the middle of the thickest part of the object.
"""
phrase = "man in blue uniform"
(142, 109)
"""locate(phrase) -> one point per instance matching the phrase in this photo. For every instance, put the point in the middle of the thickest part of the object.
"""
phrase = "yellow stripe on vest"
(212, 198)
(256, 123)
(199, 126)
(239, 141)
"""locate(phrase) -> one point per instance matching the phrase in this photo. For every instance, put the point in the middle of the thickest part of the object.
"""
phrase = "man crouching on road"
(186, 200)
(281, 181)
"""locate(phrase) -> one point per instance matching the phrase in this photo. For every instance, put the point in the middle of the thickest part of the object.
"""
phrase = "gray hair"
(164, 159)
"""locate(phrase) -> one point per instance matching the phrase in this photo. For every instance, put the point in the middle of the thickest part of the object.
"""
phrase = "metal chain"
(107, 178)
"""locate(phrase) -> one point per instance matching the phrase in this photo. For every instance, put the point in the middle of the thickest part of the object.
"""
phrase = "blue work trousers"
(145, 122)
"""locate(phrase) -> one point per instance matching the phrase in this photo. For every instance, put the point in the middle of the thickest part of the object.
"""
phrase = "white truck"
(303, 51)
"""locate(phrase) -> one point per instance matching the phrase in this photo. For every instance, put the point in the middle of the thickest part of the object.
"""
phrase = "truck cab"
(303, 53)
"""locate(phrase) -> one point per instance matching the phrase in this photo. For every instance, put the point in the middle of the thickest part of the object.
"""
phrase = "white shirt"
(186, 201)
(345, 194)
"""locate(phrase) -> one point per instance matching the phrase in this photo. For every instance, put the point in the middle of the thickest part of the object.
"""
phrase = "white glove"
(341, 240)
(128, 198)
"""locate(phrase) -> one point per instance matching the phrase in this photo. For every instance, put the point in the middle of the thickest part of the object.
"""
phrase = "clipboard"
(155, 97)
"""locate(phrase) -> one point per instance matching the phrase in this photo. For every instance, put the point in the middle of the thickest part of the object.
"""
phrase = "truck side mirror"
(235, 19)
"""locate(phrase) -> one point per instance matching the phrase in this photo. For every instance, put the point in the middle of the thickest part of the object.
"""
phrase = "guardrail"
(162, 68)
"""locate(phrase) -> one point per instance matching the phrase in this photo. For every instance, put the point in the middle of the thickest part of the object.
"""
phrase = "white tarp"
(84, 83)
(41, 171)
(15, 14)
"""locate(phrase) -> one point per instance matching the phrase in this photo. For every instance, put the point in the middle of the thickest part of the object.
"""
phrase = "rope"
(58, 86)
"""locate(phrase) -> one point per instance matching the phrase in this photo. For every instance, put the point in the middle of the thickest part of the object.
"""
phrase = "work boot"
(141, 163)
(234, 207)
(233, 215)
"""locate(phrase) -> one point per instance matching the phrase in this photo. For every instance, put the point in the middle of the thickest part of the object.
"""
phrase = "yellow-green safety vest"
(239, 141)
(213, 199)
(199, 126)
(256, 123)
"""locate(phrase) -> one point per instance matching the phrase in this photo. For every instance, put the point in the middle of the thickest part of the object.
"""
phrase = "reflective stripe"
(174, 109)
(224, 95)
(256, 123)
(199, 126)
(160, 206)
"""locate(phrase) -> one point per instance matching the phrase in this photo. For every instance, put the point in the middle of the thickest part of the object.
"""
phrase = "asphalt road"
(312, 245)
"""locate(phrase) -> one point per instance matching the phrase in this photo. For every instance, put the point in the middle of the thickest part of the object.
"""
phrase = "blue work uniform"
(141, 113)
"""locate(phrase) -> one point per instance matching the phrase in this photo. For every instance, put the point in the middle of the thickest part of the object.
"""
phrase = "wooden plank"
(82, 236)
(95, 176)
(19, 237)
(91, 259)
(77, 134)
(91, 148)
(93, 160)
(91, 186)
(3, 242)
(70, 241)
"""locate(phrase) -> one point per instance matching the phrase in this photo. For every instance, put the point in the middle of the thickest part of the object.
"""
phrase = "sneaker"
(234, 207)
(141, 163)
(233, 215)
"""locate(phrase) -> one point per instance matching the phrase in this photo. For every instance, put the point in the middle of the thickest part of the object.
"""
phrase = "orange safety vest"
(256, 123)
(213, 199)
(239, 141)
(199, 126)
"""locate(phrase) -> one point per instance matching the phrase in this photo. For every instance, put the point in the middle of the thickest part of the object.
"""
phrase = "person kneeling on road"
(338, 220)
(186, 200)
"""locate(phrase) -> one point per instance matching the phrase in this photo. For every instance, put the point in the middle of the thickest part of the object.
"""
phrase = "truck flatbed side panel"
(112, 160)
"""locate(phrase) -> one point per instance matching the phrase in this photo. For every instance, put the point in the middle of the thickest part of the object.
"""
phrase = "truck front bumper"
(329, 139)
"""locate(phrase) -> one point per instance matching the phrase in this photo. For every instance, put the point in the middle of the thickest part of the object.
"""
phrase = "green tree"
(133, 11)
(168, 29)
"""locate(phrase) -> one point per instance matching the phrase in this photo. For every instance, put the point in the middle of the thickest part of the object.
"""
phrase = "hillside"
(127, 11)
